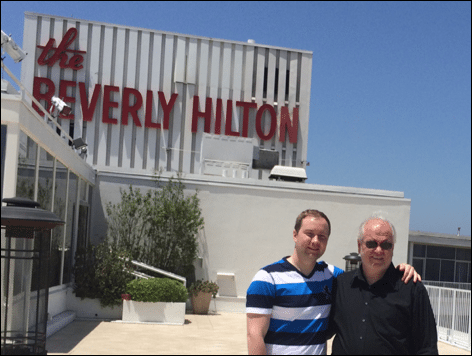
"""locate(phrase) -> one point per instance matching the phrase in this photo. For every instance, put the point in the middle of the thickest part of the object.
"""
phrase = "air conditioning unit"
(288, 174)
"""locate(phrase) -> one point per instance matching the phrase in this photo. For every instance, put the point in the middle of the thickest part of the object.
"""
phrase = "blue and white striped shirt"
(299, 306)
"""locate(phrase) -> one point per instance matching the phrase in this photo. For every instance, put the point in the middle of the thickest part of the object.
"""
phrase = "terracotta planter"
(201, 303)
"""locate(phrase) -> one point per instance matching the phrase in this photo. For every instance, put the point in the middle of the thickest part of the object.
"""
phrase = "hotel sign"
(132, 100)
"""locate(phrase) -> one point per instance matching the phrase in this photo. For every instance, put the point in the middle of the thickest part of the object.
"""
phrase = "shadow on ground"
(69, 337)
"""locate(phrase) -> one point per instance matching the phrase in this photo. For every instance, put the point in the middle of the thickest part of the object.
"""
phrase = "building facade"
(143, 99)
(440, 258)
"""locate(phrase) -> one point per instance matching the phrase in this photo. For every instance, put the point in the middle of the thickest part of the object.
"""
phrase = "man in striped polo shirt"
(288, 302)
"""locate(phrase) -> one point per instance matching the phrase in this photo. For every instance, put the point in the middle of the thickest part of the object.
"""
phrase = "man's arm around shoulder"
(257, 326)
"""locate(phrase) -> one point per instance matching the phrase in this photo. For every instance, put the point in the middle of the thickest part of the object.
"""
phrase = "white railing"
(51, 120)
(154, 269)
(455, 285)
(452, 312)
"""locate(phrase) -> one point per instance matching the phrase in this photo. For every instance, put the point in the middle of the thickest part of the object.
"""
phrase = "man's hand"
(409, 272)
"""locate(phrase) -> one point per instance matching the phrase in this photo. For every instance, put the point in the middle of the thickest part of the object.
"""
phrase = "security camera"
(13, 50)
(61, 106)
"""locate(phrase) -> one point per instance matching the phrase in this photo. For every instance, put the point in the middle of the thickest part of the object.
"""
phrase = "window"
(463, 254)
(447, 271)
(442, 263)
(432, 269)
(462, 272)
(26, 167)
(418, 265)
(70, 228)
(441, 252)
(46, 172)
(419, 251)
(56, 189)
(58, 232)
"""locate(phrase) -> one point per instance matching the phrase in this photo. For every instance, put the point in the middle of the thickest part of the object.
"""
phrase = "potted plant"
(158, 300)
(200, 294)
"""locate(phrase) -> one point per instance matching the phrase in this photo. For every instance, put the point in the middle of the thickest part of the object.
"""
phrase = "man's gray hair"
(376, 216)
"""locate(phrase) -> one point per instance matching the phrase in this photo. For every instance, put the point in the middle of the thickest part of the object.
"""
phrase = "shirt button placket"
(363, 326)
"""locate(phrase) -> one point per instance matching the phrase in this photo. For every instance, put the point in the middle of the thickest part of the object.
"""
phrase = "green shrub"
(159, 227)
(157, 290)
(100, 273)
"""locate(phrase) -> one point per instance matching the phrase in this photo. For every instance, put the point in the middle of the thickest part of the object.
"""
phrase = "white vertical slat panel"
(225, 86)
(143, 85)
(179, 70)
(226, 70)
(68, 74)
(281, 98)
(259, 88)
(248, 71)
(304, 111)
(237, 86)
(29, 41)
(56, 71)
(154, 134)
(270, 95)
(93, 126)
(81, 78)
(269, 99)
(190, 92)
(247, 93)
(167, 89)
(191, 76)
(41, 71)
(292, 92)
(238, 70)
(105, 79)
(176, 114)
(116, 96)
(214, 78)
(78, 122)
(175, 126)
(130, 83)
(201, 92)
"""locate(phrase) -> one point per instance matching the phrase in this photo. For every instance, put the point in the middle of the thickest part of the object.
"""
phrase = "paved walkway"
(220, 334)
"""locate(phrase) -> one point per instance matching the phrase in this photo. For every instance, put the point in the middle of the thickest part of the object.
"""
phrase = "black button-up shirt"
(388, 317)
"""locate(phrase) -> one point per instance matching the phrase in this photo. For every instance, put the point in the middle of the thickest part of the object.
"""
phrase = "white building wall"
(250, 225)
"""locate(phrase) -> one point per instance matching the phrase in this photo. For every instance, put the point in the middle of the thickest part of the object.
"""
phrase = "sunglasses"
(373, 244)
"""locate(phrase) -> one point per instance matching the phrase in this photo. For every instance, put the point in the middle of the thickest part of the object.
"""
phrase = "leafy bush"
(159, 228)
(203, 286)
(101, 272)
(157, 290)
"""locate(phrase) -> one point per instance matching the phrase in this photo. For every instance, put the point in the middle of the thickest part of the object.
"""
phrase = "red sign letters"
(74, 63)
(132, 101)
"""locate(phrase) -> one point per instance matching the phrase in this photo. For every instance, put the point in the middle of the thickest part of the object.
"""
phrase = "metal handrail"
(161, 271)
(51, 118)
(154, 269)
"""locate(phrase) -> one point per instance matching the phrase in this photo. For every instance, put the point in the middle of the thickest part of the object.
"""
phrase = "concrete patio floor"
(214, 334)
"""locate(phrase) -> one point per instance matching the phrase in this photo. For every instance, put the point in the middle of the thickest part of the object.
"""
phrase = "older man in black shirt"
(373, 311)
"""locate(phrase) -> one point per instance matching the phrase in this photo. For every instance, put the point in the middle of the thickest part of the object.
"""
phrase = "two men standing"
(289, 302)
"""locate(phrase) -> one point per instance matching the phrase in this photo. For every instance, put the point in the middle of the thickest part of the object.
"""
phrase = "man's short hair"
(360, 235)
(314, 213)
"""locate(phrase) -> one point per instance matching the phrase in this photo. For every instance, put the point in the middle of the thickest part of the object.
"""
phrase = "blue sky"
(390, 89)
